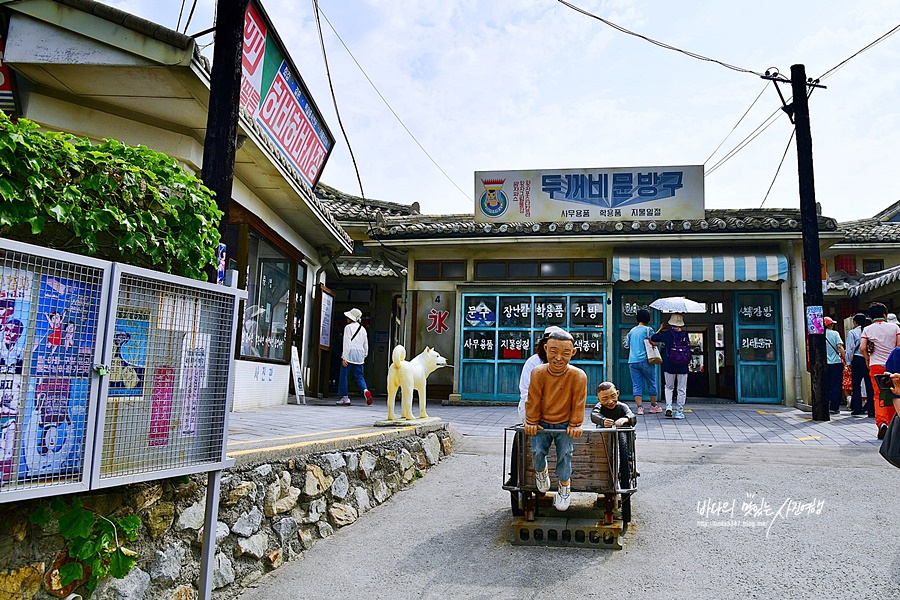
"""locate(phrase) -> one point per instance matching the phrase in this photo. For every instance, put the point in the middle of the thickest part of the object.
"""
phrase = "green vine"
(92, 540)
(113, 201)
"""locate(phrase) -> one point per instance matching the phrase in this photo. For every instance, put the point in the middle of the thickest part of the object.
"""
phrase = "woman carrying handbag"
(643, 374)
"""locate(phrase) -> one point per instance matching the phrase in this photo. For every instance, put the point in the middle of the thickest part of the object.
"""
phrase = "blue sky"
(530, 84)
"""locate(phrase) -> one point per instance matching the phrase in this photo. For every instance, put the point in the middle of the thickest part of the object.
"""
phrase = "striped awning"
(728, 267)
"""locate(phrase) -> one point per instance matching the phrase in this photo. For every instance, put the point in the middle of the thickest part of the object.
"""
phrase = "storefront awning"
(729, 267)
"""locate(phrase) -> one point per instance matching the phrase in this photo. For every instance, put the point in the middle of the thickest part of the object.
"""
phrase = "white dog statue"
(410, 375)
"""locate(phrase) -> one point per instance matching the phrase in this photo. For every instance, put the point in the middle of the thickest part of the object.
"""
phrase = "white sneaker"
(345, 401)
(561, 502)
(542, 480)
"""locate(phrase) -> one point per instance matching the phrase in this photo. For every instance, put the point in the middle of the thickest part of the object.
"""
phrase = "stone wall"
(270, 511)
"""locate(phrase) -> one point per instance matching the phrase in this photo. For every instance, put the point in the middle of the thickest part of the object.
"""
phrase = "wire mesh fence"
(168, 378)
(108, 373)
(50, 312)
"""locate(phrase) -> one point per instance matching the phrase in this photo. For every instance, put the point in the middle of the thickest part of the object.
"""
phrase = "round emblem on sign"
(493, 201)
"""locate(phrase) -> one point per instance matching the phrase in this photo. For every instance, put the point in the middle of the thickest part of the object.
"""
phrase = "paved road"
(709, 423)
(444, 537)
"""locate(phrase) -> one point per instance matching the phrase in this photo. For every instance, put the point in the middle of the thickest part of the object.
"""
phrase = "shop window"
(845, 263)
(499, 332)
(453, 269)
(266, 316)
(556, 268)
(540, 269)
(523, 269)
(589, 268)
(443, 270)
(490, 269)
(872, 265)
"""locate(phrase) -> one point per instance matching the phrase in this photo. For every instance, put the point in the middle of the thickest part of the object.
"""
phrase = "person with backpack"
(676, 359)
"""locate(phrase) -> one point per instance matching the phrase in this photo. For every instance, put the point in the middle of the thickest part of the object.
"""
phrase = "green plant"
(92, 540)
(113, 201)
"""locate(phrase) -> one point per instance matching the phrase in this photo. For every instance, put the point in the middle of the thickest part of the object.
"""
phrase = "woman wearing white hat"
(353, 357)
(676, 359)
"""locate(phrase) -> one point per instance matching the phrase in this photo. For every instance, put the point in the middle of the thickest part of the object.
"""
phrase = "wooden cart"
(600, 466)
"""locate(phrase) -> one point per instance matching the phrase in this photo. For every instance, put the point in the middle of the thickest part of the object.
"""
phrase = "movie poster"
(161, 406)
(65, 328)
(194, 373)
(15, 312)
(10, 400)
(130, 341)
(54, 428)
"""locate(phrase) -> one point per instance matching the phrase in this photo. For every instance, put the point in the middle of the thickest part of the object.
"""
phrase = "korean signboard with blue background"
(630, 193)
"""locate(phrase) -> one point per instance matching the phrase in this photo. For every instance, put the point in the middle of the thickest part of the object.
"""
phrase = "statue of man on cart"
(554, 413)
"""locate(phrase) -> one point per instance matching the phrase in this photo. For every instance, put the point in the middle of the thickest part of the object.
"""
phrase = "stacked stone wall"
(269, 513)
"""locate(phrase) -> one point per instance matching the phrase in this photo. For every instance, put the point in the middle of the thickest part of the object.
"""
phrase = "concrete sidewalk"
(297, 425)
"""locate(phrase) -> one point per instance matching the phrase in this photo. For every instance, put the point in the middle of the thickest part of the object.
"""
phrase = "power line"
(833, 69)
(778, 170)
(658, 43)
(393, 112)
(190, 16)
(736, 124)
(768, 122)
(180, 13)
(338, 112)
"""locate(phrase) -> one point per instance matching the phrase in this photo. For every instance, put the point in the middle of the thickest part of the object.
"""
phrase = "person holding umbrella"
(676, 359)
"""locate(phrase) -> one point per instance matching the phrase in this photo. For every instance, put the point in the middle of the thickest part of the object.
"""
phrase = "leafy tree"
(112, 201)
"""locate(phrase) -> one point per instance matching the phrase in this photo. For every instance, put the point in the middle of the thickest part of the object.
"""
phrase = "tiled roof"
(364, 267)
(345, 207)
(716, 221)
(869, 230)
(873, 281)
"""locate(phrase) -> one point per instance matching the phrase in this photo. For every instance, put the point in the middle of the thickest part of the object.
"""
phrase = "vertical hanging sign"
(277, 100)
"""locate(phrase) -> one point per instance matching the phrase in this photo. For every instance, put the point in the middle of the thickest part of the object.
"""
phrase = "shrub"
(112, 201)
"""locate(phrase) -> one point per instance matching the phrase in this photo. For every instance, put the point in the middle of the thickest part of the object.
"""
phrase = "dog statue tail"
(398, 356)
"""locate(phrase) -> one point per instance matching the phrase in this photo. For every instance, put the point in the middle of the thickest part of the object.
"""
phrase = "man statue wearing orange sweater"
(554, 413)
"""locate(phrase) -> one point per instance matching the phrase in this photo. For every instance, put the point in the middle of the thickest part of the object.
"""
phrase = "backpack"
(680, 351)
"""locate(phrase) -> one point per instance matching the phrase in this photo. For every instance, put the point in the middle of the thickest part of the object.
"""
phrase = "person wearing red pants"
(877, 342)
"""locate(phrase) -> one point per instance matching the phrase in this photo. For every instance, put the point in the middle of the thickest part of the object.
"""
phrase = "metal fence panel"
(52, 310)
(169, 349)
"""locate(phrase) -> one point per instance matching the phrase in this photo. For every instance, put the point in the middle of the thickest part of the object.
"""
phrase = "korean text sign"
(630, 193)
(278, 101)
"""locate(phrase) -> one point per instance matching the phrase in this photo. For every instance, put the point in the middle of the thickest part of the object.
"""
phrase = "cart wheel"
(626, 509)
(514, 501)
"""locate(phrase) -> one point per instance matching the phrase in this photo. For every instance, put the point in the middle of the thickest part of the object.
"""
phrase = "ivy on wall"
(111, 201)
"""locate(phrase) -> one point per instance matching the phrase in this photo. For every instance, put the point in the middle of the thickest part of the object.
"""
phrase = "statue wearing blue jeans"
(554, 413)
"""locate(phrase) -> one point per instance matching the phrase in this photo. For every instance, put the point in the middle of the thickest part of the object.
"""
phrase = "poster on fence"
(10, 400)
(161, 406)
(130, 340)
(54, 428)
(194, 373)
(65, 323)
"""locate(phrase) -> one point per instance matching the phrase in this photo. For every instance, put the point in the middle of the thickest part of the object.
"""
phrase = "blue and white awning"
(731, 267)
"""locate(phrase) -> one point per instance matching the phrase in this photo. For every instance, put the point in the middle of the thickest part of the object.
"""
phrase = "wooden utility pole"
(809, 220)
(220, 144)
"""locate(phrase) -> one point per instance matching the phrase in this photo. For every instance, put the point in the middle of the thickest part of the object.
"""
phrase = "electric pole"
(798, 111)
(220, 144)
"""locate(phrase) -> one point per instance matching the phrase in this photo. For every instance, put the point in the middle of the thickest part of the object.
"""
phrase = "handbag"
(847, 382)
(890, 445)
(653, 355)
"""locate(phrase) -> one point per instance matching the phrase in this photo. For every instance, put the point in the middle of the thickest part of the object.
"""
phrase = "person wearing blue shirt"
(834, 368)
(642, 372)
